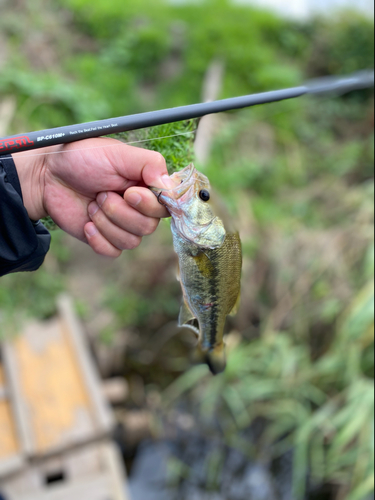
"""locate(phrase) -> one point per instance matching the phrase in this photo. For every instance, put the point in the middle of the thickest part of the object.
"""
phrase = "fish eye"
(204, 195)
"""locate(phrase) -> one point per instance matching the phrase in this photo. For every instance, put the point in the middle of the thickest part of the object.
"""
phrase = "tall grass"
(322, 411)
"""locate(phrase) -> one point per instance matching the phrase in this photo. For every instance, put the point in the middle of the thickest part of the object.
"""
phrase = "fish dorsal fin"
(187, 318)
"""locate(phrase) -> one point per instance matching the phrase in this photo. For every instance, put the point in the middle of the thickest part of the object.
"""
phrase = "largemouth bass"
(210, 261)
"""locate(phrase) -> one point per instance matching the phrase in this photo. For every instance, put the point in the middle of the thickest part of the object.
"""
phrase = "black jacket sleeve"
(23, 243)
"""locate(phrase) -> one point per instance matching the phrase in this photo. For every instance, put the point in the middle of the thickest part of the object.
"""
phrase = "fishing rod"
(72, 133)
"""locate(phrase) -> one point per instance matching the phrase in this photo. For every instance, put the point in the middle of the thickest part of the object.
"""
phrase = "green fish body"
(210, 261)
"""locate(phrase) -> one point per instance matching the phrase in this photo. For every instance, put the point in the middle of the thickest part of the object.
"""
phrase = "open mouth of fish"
(185, 179)
(179, 200)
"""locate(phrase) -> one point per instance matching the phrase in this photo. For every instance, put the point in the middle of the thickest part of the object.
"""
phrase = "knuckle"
(105, 251)
(158, 159)
(116, 253)
(109, 208)
(150, 226)
(112, 253)
(132, 242)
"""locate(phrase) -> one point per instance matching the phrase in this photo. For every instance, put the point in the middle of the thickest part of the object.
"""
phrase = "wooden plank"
(116, 471)
(78, 470)
(11, 458)
(10, 447)
(26, 481)
(49, 389)
(3, 389)
(56, 405)
(74, 466)
(84, 461)
(2, 376)
(103, 414)
(17, 404)
(93, 488)
(10, 466)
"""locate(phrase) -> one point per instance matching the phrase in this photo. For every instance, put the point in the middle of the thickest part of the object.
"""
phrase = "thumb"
(164, 182)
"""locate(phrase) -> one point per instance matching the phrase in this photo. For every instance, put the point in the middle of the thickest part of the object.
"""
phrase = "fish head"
(191, 208)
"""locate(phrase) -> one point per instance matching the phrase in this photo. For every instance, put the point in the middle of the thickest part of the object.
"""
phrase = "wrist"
(30, 169)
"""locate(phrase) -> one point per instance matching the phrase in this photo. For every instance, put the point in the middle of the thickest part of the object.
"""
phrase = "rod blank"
(72, 133)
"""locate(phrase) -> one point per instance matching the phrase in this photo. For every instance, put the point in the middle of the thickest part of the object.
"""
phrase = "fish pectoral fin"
(185, 314)
(236, 306)
(187, 318)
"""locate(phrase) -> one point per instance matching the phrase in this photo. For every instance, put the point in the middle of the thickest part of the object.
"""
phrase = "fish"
(210, 262)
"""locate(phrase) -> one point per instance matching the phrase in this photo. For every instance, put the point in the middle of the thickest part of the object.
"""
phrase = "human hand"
(95, 190)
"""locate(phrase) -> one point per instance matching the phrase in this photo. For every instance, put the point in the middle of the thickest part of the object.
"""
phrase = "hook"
(158, 197)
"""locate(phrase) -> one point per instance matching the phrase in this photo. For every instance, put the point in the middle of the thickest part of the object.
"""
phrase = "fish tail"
(214, 358)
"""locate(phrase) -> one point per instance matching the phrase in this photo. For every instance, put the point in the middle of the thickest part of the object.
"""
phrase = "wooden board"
(54, 399)
(55, 386)
(10, 448)
(96, 488)
(54, 419)
(2, 377)
(92, 472)
(8, 440)
(102, 411)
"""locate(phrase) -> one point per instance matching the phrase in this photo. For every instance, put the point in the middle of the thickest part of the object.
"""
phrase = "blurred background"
(292, 417)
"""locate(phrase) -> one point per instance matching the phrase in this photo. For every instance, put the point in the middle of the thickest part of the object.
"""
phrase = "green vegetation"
(324, 410)
(298, 178)
(174, 140)
(33, 294)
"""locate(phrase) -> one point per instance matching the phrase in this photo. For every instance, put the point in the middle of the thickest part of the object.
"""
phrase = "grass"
(174, 140)
(323, 411)
(26, 295)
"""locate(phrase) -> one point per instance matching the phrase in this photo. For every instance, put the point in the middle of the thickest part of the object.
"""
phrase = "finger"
(114, 210)
(139, 164)
(118, 237)
(99, 243)
(131, 164)
(145, 202)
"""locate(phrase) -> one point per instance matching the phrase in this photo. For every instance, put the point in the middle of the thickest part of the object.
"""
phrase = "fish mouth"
(185, 178)
(178, 201)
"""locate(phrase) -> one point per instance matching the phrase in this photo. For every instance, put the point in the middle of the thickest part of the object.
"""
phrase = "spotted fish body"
(210, 261)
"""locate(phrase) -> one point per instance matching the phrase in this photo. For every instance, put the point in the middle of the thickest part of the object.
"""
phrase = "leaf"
(185, 383)
(360, 315)
(236, 406)
(364, 489)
